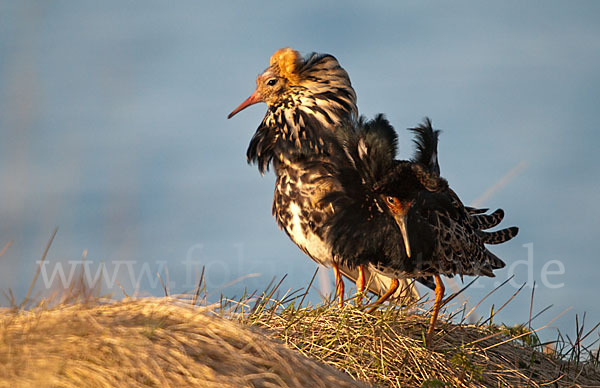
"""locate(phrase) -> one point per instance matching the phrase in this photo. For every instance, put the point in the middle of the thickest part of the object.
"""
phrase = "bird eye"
(272, 81)
(390, 200)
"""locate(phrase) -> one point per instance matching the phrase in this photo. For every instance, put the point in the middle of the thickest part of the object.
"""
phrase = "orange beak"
(253, 99)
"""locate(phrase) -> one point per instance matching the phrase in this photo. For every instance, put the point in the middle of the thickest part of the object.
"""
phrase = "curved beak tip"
(401, 221)
(253, 99)
(407, 247)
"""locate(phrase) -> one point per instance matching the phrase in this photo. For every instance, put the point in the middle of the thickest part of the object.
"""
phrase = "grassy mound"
(147, 343)
(168, 342)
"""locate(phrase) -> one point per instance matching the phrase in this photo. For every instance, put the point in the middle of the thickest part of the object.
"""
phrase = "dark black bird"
(399, 217)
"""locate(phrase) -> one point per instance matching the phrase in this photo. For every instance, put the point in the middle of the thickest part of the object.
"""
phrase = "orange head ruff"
(282, 72)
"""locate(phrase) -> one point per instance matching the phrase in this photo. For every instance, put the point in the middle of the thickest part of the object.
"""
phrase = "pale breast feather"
(299, 210)
(301, 233)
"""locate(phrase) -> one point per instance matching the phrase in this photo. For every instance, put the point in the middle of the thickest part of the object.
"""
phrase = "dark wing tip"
(495, 262)
(500, 236)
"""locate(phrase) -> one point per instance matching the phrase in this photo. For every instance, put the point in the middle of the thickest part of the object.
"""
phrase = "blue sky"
(112, 123)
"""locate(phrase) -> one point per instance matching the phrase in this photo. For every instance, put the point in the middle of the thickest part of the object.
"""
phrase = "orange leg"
(439, 295)
(339, 284)
(360, 281)
(360, 284)
(393, 287)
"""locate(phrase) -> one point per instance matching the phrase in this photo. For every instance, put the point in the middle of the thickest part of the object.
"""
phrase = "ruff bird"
(399, 217)
(307, 99)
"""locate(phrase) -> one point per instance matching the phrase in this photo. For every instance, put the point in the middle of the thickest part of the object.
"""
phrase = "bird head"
(276, 80)
(399, 190)
(399, 209)
(318, 77)
(403, 186)
(307, 97)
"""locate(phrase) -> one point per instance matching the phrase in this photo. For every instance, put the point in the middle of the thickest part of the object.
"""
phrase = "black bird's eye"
(391, 200)
(272, 81)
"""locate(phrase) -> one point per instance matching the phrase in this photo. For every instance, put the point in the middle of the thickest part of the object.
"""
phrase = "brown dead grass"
(147, 343)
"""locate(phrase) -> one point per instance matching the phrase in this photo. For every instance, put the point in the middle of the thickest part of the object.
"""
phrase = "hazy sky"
(112, 124)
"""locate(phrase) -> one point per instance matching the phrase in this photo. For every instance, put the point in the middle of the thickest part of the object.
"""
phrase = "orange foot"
(339, 285)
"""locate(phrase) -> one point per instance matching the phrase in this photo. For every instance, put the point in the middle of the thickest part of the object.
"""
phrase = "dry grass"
(78, 339)
(172, 342)
(147, 343)
(388, 349)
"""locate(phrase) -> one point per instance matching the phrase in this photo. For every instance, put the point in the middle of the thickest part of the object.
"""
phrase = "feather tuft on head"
(288, 61)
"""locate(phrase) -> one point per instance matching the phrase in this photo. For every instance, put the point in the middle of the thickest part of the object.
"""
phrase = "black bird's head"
(402, 188)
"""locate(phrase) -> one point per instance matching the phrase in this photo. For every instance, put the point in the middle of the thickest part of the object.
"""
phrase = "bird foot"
(358, 299)
(393, 287)
(371, 307)
(429, 339)
(370, 310)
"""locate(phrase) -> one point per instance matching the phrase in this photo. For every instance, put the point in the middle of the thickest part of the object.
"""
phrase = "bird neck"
(297, 123)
